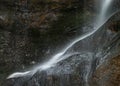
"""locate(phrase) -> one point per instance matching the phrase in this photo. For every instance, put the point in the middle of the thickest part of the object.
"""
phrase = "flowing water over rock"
(87, 52)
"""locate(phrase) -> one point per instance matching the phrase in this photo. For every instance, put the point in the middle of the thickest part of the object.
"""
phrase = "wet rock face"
(41, 13)
(48, 80)
(115, 26)
(31, 30)
(108, 74)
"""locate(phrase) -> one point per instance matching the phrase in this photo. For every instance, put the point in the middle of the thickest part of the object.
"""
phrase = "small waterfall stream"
(86, 40)
(104, 10)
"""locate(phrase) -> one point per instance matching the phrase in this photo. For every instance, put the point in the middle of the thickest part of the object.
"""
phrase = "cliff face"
(32, 30)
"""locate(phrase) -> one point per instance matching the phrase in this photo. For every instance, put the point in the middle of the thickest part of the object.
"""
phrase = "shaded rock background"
(32, 30)
(108, 74)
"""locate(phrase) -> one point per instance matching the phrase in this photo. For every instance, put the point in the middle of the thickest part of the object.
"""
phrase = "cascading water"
(104, 9)
(64, 54)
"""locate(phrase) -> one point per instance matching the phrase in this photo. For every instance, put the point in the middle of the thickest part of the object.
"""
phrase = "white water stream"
(101, 19)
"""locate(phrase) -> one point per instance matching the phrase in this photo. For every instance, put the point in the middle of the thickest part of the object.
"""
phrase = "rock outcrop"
(31, 30)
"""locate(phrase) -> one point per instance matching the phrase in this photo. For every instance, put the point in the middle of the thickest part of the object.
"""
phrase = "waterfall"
(101, 19)
(103, 12)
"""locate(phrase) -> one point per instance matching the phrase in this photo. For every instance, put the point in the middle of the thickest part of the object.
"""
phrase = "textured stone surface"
(30, 32)
(108, 74)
